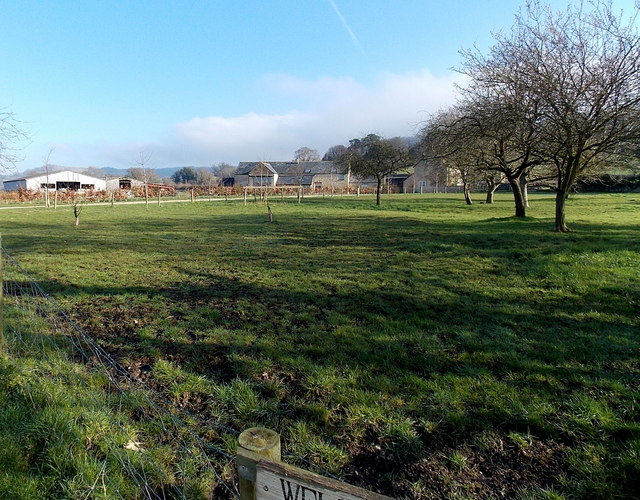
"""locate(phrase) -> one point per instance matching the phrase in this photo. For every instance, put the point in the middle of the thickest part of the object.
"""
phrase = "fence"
(203, 451)
(35, 324)
(159, 193)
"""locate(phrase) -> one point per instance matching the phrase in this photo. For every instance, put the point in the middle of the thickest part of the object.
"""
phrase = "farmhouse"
(65, 180)
(309, 174)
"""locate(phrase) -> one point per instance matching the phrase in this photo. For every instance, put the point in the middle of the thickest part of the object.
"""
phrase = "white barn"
(67, 180)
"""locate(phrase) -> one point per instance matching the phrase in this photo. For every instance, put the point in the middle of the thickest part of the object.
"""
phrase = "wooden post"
(245, 196)
(358, 191)
(264, 477)
(260, 441)
(113, 196)
(159, 191)
(146, 195)
(299, 194)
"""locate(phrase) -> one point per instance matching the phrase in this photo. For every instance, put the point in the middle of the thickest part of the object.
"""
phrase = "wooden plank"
(279, 481)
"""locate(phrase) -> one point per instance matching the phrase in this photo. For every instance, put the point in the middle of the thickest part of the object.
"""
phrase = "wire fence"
(199, 451)
(197, 454)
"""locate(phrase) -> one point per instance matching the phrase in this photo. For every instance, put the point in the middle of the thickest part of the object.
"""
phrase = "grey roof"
(294, 167)
(245, 167)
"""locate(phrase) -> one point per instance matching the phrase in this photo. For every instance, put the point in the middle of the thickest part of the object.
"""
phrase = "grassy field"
(423, 349)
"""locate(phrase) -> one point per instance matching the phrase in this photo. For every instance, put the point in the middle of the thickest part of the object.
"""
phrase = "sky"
(199, 82)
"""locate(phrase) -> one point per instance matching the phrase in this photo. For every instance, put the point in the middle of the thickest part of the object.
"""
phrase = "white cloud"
(318, 113)
(336, 110)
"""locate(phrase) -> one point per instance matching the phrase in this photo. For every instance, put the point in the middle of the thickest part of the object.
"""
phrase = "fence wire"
(199, 446)
(36, 325)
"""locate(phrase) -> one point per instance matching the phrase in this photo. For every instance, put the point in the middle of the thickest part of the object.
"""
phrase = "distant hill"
(162, 172)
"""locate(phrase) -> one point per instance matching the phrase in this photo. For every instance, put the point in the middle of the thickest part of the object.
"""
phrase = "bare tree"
(446, 139)
(141, 169)
(223, 170)
(141, 174)
(569, 83)
(306, 154)
(373, 156)
(46, 166)
(205, 177)
(76, 203)
(501, 122)
(11, 135)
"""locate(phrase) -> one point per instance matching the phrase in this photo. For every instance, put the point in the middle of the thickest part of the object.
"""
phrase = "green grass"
(423, 348)
(67, 433)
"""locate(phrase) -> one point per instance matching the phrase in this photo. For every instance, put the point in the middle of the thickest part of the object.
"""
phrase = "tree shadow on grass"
(512, 346)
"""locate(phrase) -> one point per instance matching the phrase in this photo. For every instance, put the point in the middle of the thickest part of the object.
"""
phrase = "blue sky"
(200, 82)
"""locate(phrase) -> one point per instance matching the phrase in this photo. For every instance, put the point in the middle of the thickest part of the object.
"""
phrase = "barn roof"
(294, 167)
(44, 174)
(245, 167)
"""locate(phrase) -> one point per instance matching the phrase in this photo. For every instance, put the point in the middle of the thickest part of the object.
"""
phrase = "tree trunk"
(490, 192)
(491, 189)
(378, 188)
(524, 182)
(521, 208)
(561, 198)
(467, 194)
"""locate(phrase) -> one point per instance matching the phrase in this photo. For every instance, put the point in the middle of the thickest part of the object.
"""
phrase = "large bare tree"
(569, 83)
(501, 118)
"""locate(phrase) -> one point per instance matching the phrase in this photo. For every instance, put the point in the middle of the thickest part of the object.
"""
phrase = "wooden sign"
(279, 481)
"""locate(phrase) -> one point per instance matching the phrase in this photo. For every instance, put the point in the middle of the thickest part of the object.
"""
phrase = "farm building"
(257, 173)
(129, 183)
(65, 180)
(430, 178)
(310, 174)
(124, 183)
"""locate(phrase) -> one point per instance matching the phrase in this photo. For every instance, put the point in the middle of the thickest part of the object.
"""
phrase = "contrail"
(353, 36)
